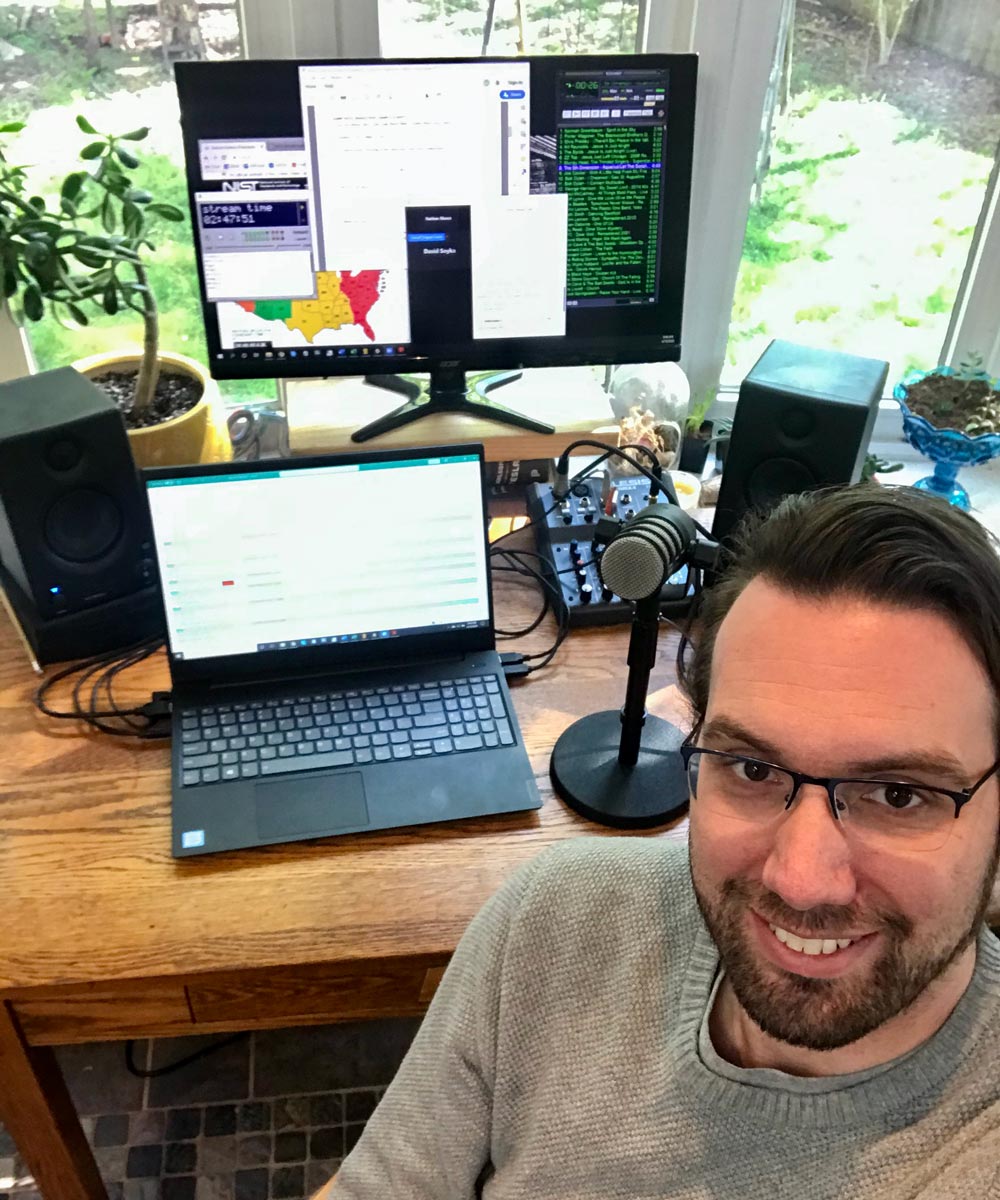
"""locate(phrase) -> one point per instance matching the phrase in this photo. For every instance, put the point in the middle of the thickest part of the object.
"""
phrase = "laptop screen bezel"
(317, 660)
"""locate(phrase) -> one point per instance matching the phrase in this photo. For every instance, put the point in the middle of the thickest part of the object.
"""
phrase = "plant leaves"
(37, 254)
(78, 314)
(10, 281)
(126, 158)
(12, 127)
(89, 258)
(71, 185)
(93, 150)
(108, 214)
(85, 125)
(136, 135)
(37, 203)
(34, 309)
(138, 195)
(168, 211)
(132, 221)
(110, 300)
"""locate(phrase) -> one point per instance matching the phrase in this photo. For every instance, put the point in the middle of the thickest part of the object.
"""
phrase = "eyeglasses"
(882, 813)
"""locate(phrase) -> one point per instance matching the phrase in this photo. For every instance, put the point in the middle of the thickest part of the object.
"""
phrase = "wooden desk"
(105, 936)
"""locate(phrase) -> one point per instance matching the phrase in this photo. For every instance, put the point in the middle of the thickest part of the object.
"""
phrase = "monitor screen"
(384, 216)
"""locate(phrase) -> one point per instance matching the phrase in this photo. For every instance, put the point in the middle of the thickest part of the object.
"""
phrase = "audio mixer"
(565, 538)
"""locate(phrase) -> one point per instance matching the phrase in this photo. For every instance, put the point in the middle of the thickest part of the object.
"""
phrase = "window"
(871, 176)
(464, 27)
(113, 64)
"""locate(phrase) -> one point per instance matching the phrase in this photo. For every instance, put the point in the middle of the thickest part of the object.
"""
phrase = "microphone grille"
(642, 555)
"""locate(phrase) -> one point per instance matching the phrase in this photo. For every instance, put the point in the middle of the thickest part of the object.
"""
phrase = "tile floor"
(266, 1117)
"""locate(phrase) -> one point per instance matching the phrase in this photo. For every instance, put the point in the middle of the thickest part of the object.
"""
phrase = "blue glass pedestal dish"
(948, 449)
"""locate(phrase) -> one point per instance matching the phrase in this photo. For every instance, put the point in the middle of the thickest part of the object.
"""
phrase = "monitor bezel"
(483, 355)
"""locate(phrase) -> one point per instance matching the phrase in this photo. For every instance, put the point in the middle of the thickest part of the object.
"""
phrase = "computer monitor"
(438, 216)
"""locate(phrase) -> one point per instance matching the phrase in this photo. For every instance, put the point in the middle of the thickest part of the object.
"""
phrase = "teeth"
(810, 945)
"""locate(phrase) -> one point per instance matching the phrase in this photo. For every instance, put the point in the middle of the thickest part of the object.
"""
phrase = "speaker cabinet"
(803, 421)
(76, 557)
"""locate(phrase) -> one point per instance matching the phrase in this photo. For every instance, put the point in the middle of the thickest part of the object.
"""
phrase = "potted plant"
(953, 417)
(699, 434)
(89, 252)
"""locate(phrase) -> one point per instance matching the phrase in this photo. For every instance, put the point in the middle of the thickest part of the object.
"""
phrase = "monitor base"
(448, 393)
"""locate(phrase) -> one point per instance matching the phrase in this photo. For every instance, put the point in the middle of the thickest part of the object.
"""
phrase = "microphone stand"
(622, 768)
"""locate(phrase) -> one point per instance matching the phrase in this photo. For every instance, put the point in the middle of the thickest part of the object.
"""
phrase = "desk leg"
(36, 1108)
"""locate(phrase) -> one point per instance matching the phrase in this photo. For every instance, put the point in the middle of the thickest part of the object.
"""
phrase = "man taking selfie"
(804, 999)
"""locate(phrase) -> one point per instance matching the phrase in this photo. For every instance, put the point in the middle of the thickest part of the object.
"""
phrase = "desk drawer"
(345, 992)
(102, 1012)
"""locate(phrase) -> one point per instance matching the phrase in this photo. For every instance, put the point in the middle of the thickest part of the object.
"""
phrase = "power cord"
(147, 721)
(169, 1068)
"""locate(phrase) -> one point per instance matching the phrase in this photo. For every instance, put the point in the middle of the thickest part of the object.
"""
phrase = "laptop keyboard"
(324, 729)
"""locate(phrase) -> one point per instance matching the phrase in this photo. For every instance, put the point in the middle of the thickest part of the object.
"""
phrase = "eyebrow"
(937, 762)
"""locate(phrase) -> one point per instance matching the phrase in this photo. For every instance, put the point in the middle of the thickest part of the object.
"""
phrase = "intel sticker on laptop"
(192, 838)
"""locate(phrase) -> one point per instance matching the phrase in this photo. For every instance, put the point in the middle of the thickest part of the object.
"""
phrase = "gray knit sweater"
(566, 1056)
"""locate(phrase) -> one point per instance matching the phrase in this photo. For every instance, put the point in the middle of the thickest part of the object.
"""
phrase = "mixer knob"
(607, 595)
(586, 592)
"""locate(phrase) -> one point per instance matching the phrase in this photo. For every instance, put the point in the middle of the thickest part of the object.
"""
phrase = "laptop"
(331, 643)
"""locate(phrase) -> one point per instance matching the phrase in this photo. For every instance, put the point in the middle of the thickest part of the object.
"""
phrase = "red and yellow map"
(342, 298)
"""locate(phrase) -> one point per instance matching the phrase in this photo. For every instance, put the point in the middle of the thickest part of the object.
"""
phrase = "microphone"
(646, 551)
(623, 768)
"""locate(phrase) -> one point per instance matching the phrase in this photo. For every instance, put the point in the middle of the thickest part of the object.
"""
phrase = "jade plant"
(86, 249)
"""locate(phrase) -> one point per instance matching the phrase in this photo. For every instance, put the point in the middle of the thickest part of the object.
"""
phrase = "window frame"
(736, 41)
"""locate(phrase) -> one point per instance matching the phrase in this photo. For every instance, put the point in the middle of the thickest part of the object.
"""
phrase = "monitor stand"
(448, 393)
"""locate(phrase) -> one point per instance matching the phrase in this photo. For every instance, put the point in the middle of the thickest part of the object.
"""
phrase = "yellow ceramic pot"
(189, 438)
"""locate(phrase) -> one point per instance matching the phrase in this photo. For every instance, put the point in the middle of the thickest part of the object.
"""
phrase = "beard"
(826, 1014)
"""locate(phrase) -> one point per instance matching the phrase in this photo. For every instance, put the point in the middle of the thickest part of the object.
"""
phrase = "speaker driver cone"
(83, 525)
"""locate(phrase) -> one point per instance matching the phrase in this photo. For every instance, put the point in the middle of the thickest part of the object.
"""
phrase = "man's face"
(820, 687)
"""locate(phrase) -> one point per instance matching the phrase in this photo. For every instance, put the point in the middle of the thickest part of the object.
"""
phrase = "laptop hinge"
(368, 670)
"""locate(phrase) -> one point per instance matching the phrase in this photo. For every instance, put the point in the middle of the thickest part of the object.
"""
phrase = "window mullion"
(975, 318)
(736, 42)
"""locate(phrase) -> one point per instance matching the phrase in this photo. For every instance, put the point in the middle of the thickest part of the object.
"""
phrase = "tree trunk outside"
(109, 9)
(179, 30)
(488, 24)
(519, 11)
(90, 29)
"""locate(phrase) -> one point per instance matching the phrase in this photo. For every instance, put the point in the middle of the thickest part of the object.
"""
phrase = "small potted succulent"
(951, 415)
(88, 251)
(700, 434)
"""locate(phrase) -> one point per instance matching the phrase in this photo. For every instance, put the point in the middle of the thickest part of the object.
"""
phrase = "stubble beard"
(826, 1014)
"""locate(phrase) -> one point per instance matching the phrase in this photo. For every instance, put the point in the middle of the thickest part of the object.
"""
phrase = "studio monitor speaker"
(803, 421)
(76, 557)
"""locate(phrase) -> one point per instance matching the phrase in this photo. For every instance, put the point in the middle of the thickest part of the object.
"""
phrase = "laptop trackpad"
(310, 804)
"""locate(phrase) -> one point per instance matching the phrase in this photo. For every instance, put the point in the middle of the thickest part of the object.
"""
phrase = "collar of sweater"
(965, 1042)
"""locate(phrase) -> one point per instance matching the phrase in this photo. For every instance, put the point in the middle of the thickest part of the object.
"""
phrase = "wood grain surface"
(89, 892)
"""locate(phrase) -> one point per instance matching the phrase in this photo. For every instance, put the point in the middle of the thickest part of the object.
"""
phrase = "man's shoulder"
(614, 878)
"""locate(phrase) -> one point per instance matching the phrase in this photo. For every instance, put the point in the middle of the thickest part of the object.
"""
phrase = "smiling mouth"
(811, 946)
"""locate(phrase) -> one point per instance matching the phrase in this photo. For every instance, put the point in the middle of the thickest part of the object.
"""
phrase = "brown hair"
(893, 545)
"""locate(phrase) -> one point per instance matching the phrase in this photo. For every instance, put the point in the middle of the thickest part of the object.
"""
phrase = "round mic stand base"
(586, 773)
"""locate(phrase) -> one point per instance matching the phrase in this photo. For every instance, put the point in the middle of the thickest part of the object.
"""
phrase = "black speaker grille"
(83, 525)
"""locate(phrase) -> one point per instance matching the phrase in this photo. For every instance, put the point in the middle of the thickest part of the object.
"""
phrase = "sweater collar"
(909, 1086)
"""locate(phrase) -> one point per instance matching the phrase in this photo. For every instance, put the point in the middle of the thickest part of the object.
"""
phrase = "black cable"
(548, 588)
(156, 1072)
(516, 633)
(106, 667)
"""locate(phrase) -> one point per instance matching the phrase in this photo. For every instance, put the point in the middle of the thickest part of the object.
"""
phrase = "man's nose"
(809, 862)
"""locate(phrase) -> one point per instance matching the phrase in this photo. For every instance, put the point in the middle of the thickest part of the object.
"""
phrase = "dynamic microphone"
(622, 768)
(646, 551)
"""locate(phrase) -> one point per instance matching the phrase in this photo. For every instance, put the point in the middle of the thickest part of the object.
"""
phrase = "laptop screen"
(291, 558)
